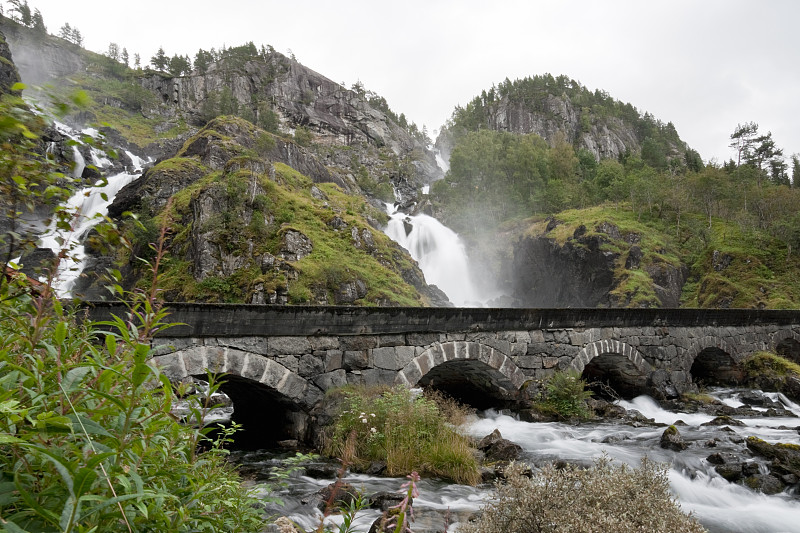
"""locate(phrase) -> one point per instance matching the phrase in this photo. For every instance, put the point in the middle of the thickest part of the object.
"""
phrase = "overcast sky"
(704, 65)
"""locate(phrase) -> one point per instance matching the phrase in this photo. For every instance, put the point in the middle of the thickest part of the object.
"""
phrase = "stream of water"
(719, 505)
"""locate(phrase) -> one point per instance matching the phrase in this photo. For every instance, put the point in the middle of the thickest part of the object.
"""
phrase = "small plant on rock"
(565, 395)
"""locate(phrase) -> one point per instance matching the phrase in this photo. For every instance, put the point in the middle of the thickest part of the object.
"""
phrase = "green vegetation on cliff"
(735, 229)
(256, 230)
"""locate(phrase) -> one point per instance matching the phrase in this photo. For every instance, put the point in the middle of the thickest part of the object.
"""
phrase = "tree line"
(498, 176)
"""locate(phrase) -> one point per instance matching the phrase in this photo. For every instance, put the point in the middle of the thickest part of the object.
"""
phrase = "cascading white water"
(719, 505)
(88, 205)
(439, 252)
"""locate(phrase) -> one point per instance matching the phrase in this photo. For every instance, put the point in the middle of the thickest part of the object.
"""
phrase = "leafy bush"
(408, 433)
(87, 441)
(565, 395)
(600, 499)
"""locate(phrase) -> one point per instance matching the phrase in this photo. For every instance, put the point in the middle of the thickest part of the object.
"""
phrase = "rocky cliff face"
(608, 137)
(599, 266)
(300, 97)
(8, 70)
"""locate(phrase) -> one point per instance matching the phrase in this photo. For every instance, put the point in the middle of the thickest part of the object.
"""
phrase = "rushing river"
(719, 505)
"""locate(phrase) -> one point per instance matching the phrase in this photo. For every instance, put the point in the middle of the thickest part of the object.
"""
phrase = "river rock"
(335, 495)
(766, 483)
(497, 448)
(671, 440)
(724, 420)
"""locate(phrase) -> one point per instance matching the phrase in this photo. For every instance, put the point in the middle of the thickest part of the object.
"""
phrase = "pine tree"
(125, 57)
(160, 61)
(38, 22)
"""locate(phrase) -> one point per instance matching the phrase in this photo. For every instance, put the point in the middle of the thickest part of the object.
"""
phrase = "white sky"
(705, 65)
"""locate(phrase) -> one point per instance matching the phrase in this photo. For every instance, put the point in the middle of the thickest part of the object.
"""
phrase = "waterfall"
(88, 206)
(439, 252)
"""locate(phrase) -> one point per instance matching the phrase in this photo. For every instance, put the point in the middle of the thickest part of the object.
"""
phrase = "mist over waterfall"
(439, 252)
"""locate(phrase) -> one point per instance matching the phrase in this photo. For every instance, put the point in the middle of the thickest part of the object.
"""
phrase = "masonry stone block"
(518, 349)
(293, 386)
(288, 346)
(331, 380)
(386, 358)
(291, 362)
(310, 365)
(235, 360)
(405, 354)
(539, 348)
(528, 361)
(333, 360)
(455, 336)
(356, 359)
(323, 343)
(248, 344)
(549, 362)
(391, 340)
(449, 351)
(357, 342)
(425, 363)
(274, 373)
(376, 376)
(421, 339)
(412, 374)
(172, 366)
(537, 335)
(255, 367)
(437, 354)
(194, 361)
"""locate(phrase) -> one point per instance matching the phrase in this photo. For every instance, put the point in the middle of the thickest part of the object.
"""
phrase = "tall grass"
(407, 432)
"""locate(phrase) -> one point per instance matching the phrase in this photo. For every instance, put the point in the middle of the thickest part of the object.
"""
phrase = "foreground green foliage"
(596, 500)
(565, 395)
(87, 441)
(407, 433)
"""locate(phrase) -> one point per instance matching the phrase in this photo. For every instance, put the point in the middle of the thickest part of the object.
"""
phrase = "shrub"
(565, 395)
(87, 439)
(407, 433)
(600, 499)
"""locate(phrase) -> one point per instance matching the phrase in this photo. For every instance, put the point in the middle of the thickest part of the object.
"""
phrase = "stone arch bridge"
(280, 360)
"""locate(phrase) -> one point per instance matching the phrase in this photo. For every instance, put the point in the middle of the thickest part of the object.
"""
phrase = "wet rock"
(322, 471)
(375, 468)
(785, 458)
(766, 483)
(671, 440)
(605, 409)
(724, 420)
(334, 495)
(497, 448)
(384, 500)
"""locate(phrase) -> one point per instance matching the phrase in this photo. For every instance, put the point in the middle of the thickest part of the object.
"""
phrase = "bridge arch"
(713, 361)
(615, 363)
(469, 371)
(270, 401)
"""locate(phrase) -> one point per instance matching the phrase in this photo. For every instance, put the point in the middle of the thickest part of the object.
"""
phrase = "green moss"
(767, 364)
